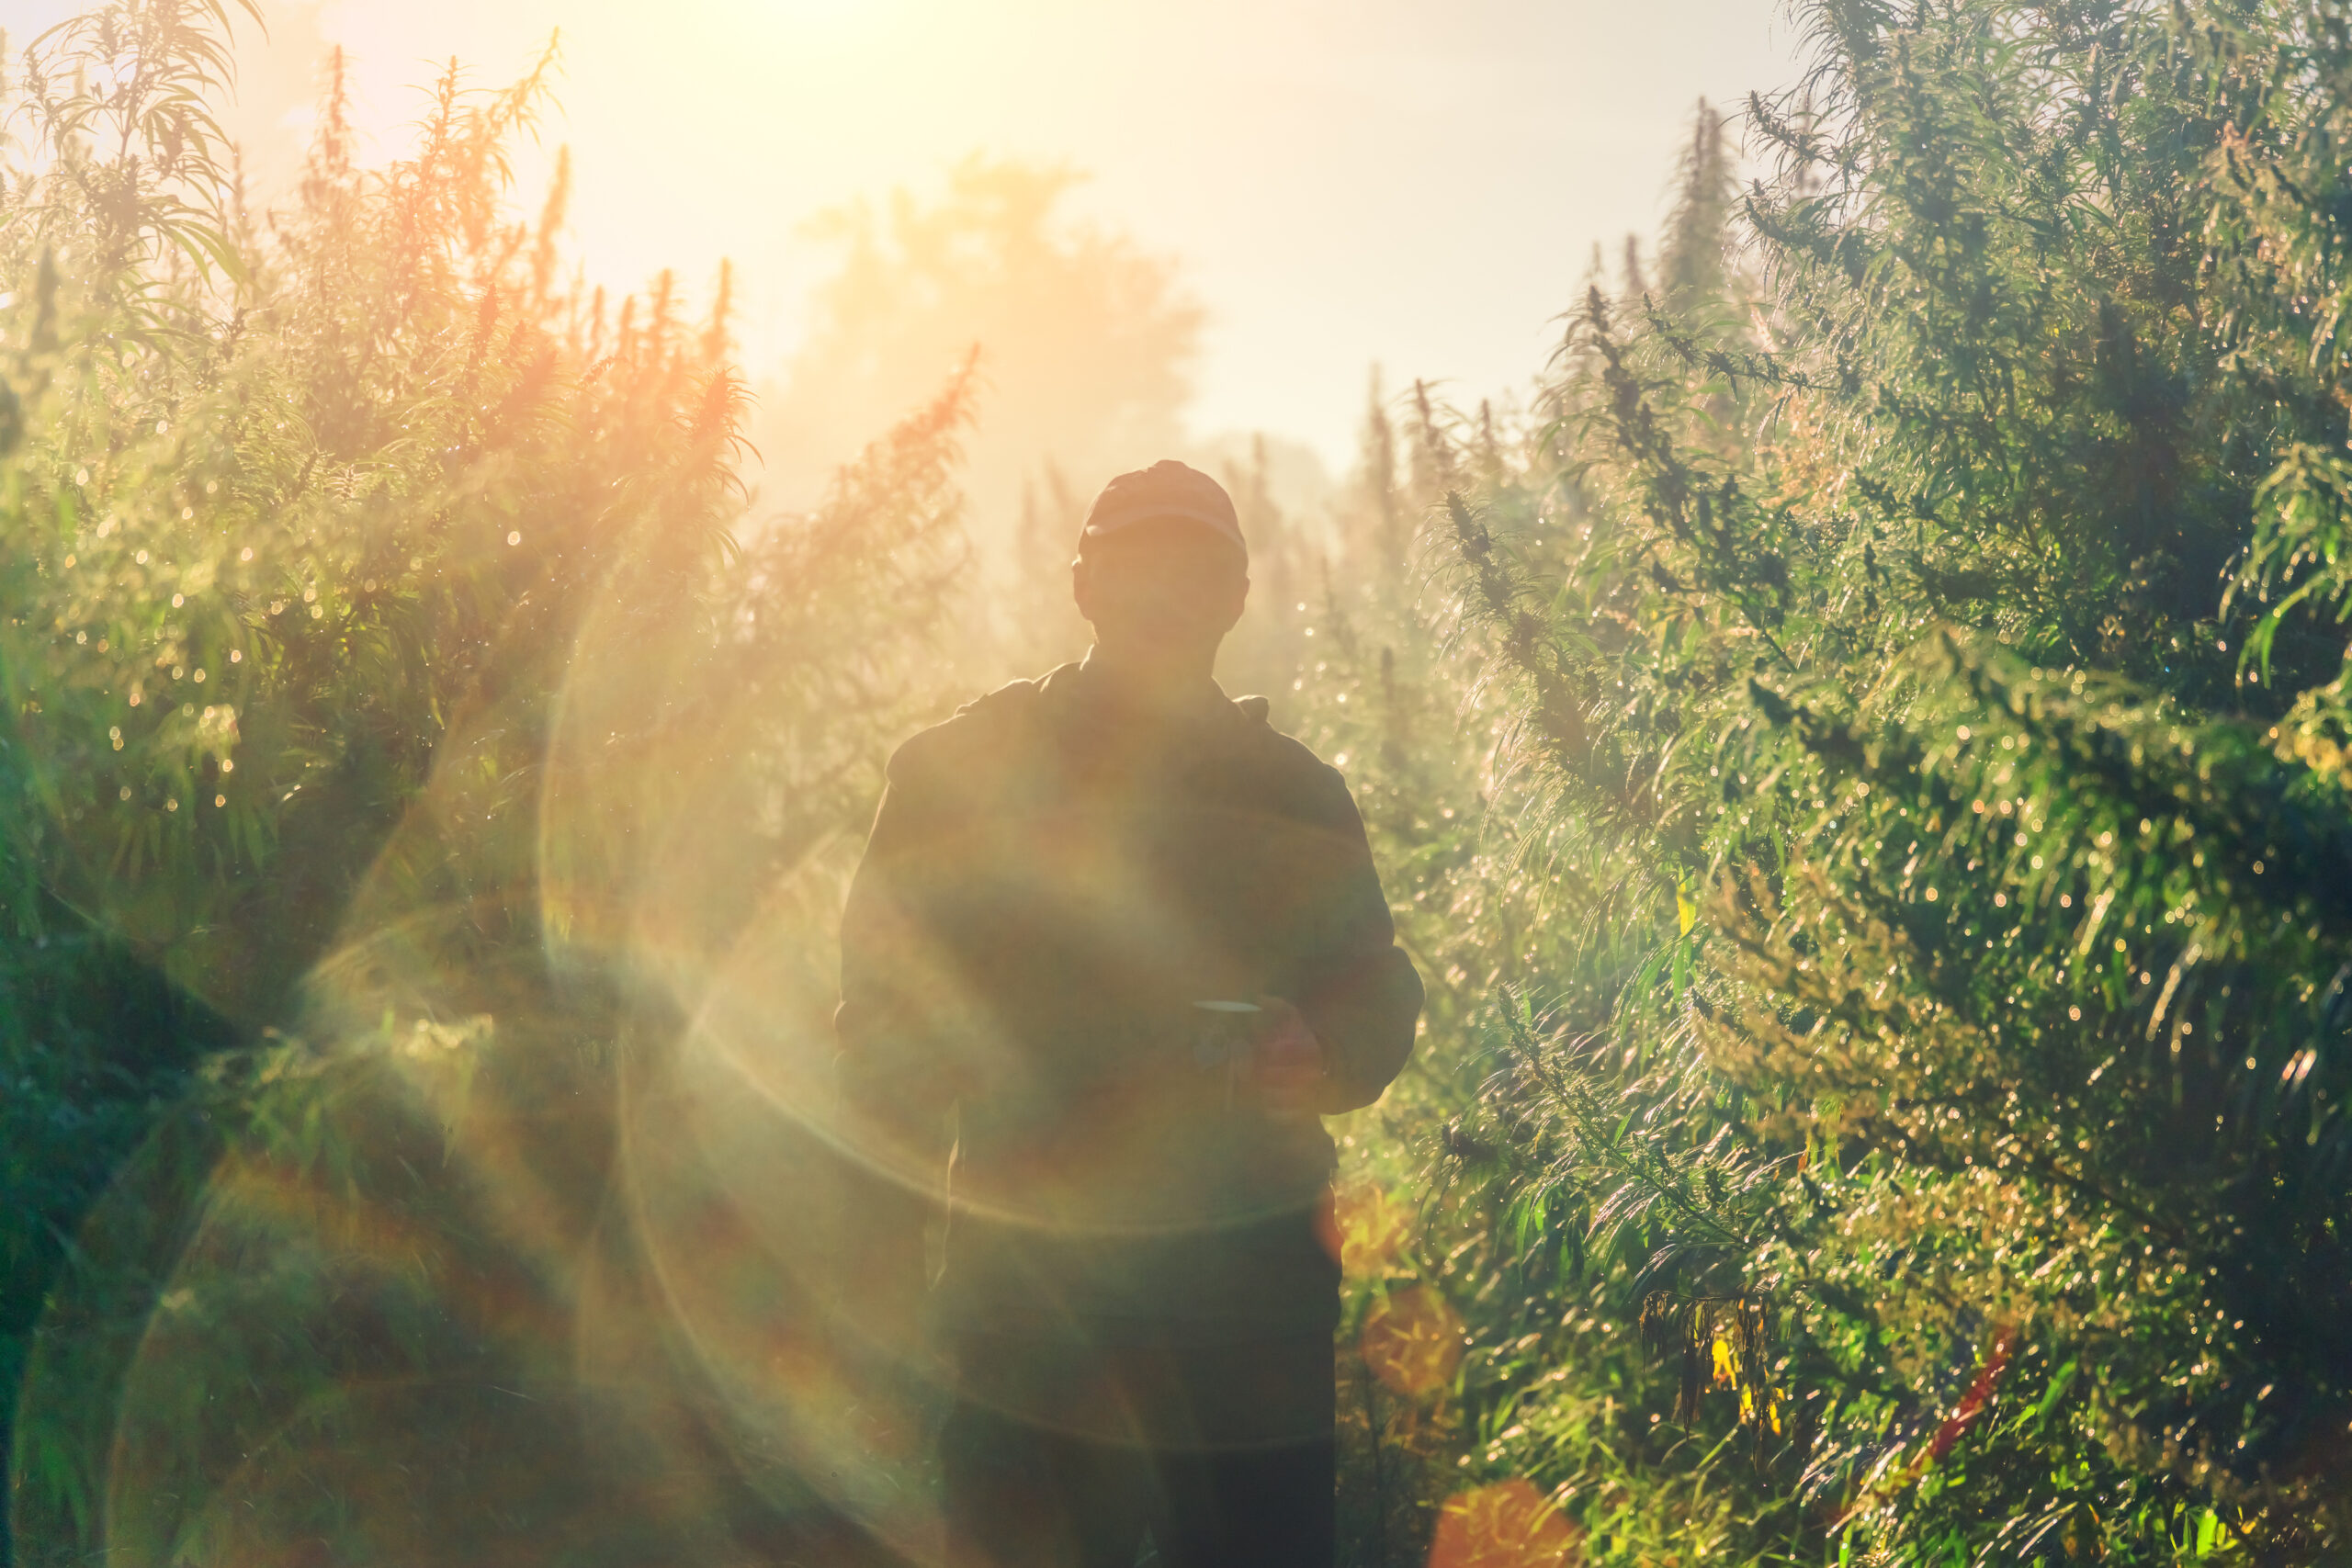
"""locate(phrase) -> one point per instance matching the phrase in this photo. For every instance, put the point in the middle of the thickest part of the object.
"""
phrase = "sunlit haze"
(1412, 184)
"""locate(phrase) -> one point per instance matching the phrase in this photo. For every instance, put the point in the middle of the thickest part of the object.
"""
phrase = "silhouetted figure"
(1118, 943)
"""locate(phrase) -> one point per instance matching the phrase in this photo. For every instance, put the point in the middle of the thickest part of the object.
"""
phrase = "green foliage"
(328, 532)
(1938, 717)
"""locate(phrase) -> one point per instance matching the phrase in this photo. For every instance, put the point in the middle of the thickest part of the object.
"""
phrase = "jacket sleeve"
(897, 982)
(1358, 991)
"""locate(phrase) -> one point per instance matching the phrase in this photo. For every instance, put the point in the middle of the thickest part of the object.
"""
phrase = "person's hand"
(1286, 1066)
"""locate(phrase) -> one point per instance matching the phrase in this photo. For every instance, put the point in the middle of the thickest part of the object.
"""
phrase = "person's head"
(1161, 571)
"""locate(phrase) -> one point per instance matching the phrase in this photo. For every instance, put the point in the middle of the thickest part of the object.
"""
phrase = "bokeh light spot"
(1373, 1227)
(1507, 1525)
(1412, 1341)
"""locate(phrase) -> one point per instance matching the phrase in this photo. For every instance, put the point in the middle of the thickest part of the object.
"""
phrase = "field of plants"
(1861, 765)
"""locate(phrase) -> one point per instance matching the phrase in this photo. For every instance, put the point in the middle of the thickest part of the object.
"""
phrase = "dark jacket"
(1051, 884)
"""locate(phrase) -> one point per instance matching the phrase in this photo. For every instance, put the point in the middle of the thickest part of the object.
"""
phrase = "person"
(1114, 946)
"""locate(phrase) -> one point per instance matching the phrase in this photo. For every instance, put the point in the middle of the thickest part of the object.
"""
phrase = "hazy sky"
(1417, 184)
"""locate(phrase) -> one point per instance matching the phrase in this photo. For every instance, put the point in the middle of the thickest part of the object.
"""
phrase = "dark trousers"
(1063, 1457)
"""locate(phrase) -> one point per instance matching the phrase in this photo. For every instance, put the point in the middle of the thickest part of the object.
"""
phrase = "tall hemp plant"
(328, 529)
(1941, 718)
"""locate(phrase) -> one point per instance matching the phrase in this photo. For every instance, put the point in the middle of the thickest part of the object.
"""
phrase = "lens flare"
(1506, 1525)
(1412, 1341)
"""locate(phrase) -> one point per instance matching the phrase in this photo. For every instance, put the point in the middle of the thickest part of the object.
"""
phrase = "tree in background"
(1085, 341)
(1084, 345)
